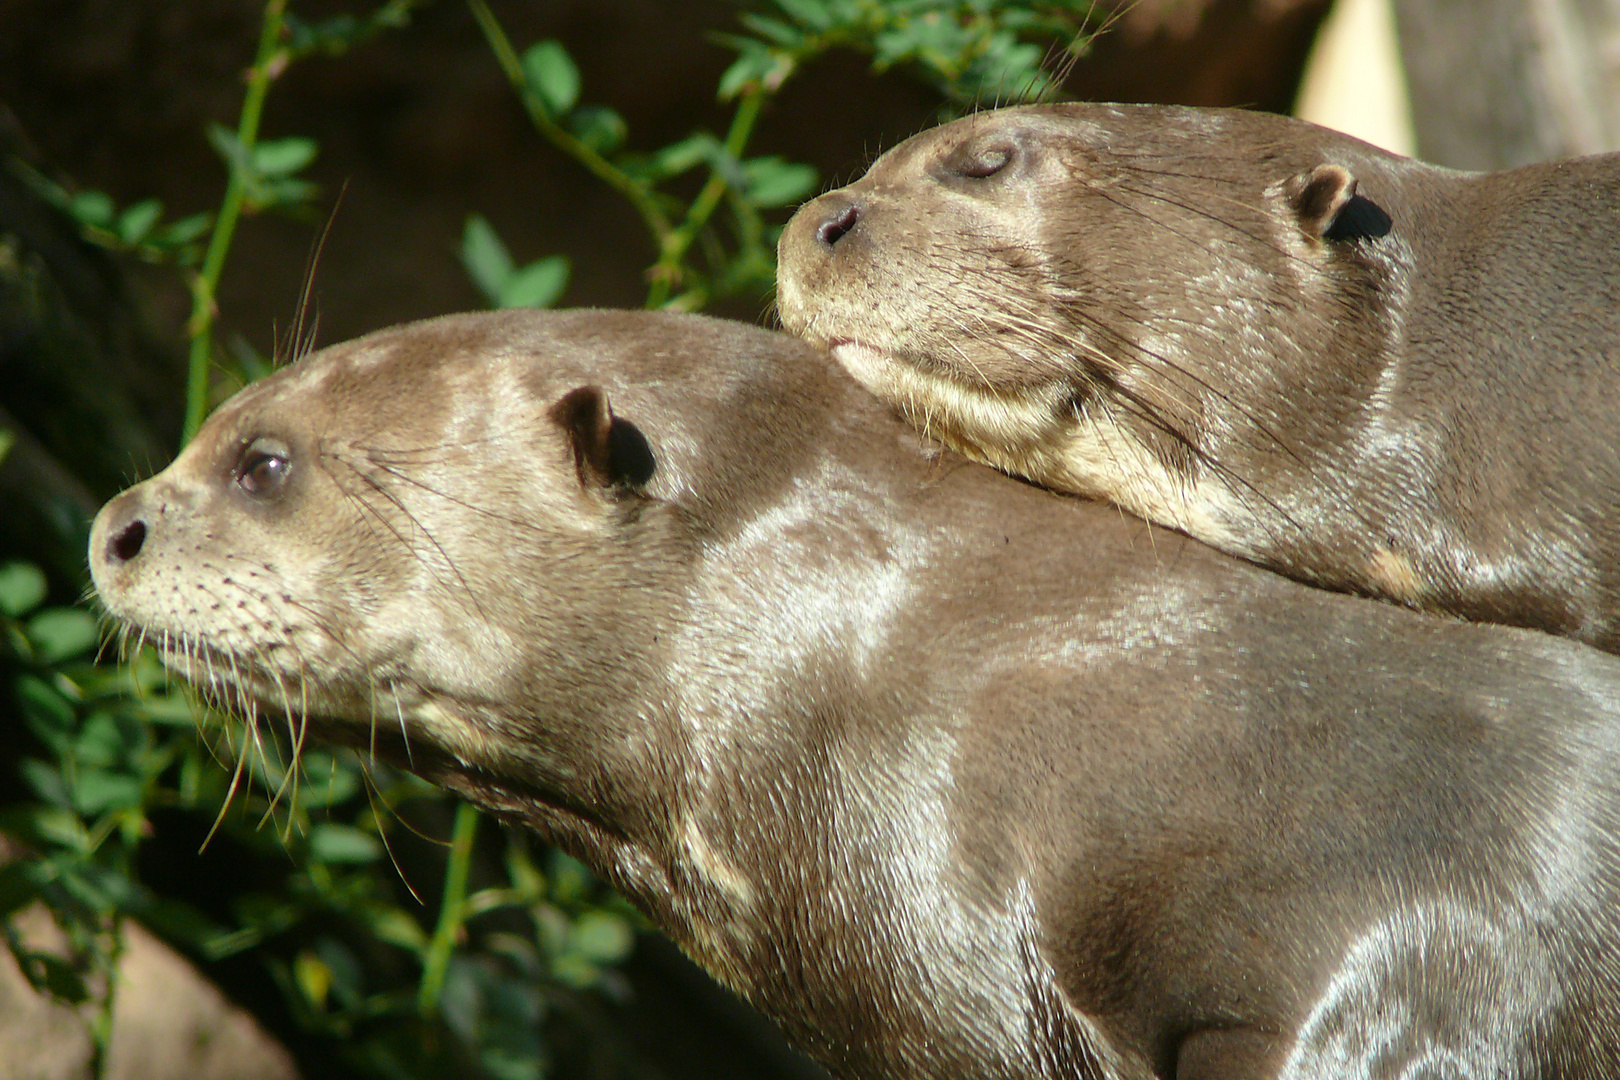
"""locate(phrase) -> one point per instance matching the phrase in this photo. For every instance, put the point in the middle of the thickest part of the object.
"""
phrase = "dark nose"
(124, 528)
(125, 544)
(838, 221)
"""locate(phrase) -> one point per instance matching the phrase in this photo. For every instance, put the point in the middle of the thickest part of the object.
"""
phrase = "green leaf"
(278, 192)
(602, 937)
(182, 922)
(774, 182)
(570, 880)
(505, 1063)
(485, 257)
(229, 147)
(347, 976)
(526, 878)
(18, 887)
(461, 1002)
(264, 913)
(553, 929)
(283, 157)
(313, 977)
(44, 826)
(22, 588)
(54, 976)
(689, 153)
(8, 439)
(100, 742)
(754, 64)
(537, 285)
(778, 32)
(183, 231)
(45, 708)
(329, 781)
(166, 710)
(512, 1048)
(97, 791)
(551, 74)
(599, 128)
(333, 843)
(811, 13)
(60, 633)
(575, 970)
(104, 888)
(92, 208)
(229, 944)
(135, 222)
(519, 950)
(394, 926)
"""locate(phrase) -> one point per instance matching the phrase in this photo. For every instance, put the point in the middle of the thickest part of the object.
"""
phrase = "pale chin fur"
(1032, 434)
(959, 413)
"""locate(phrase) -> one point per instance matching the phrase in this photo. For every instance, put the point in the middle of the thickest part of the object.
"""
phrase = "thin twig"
(600, 167)
(267, 64)
(452, 909)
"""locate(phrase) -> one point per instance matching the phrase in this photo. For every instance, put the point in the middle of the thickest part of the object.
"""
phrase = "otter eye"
(983, 161)
(262, 468)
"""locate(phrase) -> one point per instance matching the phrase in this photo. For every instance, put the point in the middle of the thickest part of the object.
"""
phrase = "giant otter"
(1362, 371)
(952, 776)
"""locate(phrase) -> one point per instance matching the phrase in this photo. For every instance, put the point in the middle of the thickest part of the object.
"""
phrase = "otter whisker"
(1261, 237)
(371, 482)
(230, 792)
(374, 796)
(483, 511)
(404, 735)
(1240, 486)
(295, 734)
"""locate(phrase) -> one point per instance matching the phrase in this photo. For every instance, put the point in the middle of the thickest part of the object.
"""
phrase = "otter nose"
(121, 529)
(837, 222)
(125, 544)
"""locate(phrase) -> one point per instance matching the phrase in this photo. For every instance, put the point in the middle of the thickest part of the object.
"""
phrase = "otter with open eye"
(944, 797)
(1364, 372)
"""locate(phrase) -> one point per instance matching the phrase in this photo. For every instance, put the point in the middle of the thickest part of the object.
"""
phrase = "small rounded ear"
(1319, 195)
(1327, 206)
(608, 451)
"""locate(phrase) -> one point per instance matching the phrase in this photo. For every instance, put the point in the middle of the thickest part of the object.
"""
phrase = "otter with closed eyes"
(952, 776)
(1362, 371)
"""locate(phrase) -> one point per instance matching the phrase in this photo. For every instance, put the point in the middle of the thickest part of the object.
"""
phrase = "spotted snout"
(822, 230)
(122, 532)
(119, 532)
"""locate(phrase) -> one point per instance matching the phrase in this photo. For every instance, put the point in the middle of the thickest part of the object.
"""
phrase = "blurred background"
(168, 173)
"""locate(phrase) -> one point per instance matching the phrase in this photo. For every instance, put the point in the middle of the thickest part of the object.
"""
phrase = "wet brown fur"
(1366, 372)
(952, 776)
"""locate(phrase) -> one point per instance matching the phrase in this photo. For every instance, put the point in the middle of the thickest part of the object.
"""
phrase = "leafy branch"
(973, 50)
(112, 743)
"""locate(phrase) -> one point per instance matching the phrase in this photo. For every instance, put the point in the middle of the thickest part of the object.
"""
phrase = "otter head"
(1098, 298)
(403, 540)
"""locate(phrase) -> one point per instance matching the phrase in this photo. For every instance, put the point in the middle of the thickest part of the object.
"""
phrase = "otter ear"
(608, 451)
(1328, 208)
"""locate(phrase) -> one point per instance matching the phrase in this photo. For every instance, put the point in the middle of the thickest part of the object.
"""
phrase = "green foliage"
(973, 50)
(340, 33)
(549, 71)
(265, 171)
(104, 749)
(334, 926)
(400, 990)
(138, 229)
(536, 285)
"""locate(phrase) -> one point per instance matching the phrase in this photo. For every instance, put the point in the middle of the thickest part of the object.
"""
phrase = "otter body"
(1365, 372)
(952, 776)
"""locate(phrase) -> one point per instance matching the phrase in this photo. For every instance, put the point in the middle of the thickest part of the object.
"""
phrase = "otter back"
(945, 797)
(1359, 370)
